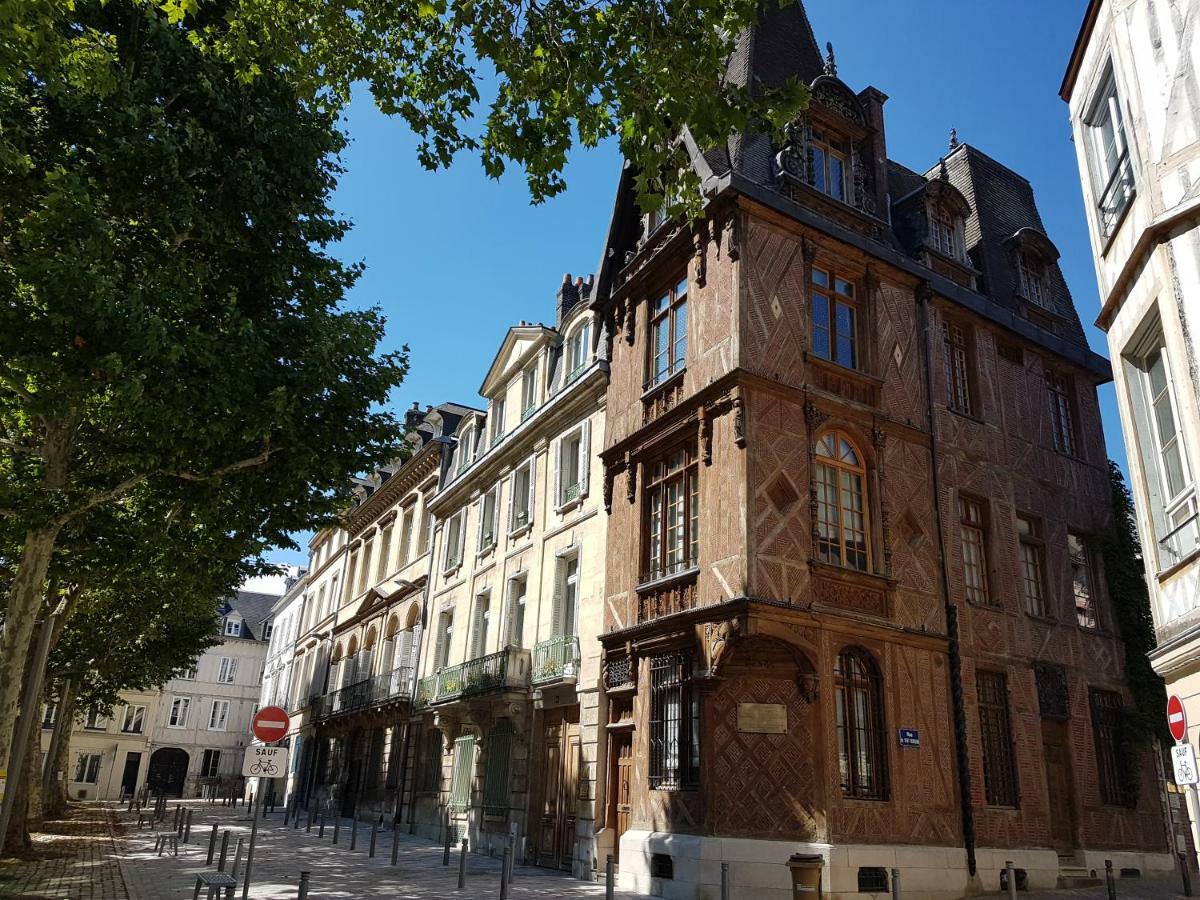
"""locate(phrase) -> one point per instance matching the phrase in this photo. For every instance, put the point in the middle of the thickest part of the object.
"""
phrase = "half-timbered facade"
(854, 477)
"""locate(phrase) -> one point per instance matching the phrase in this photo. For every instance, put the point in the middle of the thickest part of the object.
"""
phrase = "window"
(972, 522)
(385, 550)
(999, 762)
(830, 160)
(841, 503)
(352, 574)
(861, 748)
(228, 672)
(95, 721)
(1169, 482)
(579, 351)
(1082, 581)
(135, 718)
(423, 533)
(1031, 276)
(463, 773)
(1107, 724)
(179, 712)
(87, 768)
(188, 674)
(943, 234)
(674, 723)
(958, 369)
(516, 612)
(496, 752)
(668, 334)
(487, 520)
(1062, 421)
(218, 715)
(454, 541)
(233, 626)
(529, 391)
(1033, 569)
(572, 473)
(672, 513)
(210, 764)
(520, 503)
(1108, 155)
(479, 627)
(49, 715)
(834, 319)
(566, 595)
(364, 569)
(268, 630)
(430, 780)
(496, 421)
(405, 547)
(441, 651)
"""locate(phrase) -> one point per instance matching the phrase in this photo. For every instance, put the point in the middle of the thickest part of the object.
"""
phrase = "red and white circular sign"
(270, 724)
(1176, 719)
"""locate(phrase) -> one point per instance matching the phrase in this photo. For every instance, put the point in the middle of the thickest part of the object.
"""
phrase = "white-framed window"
(571, 473)
(218, 715)
(445, 633)
(1163, 450)
(49, 714)
(517, 590)
(210, 765)
(480, 623)
(95, 721)
(228, 671)
(364, 566)
(566, 595)
(529, 391)
(496, 421)
(385, 551)
(406, 524)
(487, 519)
(579, 351)
(188, 674)
(465, 450)
(178, 715)
(233, 626)
(1031, 274)
(268, 630)
(134, 721)
(87, 768)
(1108, 154)
(520, 496)
(454, 541)
(944, 235)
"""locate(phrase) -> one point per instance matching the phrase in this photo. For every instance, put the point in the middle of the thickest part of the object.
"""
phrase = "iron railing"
(619, 672)
(1178, 543)
(658, 571)
(528, 411)
(556, 658)
(1116, 195)
(366, 694)
(665, 375)
(506, 670)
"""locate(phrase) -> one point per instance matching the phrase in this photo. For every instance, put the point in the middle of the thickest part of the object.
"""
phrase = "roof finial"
(953, 138)
(830, 62)
(943, 173)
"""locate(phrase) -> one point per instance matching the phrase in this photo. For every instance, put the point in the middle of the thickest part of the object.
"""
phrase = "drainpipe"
(958, 707)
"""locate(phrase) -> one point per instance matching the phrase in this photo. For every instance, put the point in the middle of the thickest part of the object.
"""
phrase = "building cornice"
(415, 470)
(1081, 43)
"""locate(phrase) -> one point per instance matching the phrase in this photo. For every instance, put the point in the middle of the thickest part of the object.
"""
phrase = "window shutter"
(532, 485)
(479, 525)
(477, 636)
(413, 647)
(387, 661)
(405, 646)
(559, 446)
(464, 773)
(556, 624)
(497, 752)
(585, 458)
(512, 493)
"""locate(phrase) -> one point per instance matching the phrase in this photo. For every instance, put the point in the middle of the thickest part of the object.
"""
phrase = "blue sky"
(453, 258)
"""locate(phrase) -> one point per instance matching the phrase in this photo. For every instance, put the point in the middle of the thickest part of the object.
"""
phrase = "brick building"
(854, 473)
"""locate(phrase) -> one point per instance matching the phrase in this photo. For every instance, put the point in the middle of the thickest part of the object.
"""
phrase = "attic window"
(1032, 275)
(944, 233)
(830, 160)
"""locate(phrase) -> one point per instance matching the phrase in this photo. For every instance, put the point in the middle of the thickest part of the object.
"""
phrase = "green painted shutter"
(464, 773)
(497, 752)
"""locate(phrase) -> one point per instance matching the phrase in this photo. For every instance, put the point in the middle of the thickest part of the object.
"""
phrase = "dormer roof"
(519, 345)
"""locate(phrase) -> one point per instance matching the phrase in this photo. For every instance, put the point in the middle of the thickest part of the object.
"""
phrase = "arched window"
(840, 480)
(579, 347)
(862, 754)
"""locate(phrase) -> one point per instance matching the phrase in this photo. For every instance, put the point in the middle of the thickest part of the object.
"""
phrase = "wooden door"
(624, 790)
(559, 793)
(1060, 785)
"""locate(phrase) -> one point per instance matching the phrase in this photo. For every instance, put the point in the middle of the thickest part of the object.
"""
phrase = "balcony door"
(559, 789)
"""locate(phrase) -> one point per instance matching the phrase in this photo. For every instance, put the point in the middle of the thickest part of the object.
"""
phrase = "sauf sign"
(1183, 755)
(265, 762)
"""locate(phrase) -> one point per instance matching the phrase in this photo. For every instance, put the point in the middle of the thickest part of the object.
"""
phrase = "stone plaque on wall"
(762, 718)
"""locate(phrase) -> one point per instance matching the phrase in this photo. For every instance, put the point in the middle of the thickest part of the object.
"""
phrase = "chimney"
(413, 417)
(568, 297)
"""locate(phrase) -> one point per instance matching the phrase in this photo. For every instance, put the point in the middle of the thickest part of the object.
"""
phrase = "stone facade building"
(854, 475)
(507, 701)
(281, 676)
(1134, 99)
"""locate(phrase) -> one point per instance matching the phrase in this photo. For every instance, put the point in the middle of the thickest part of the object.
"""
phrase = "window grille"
(872, 880)
(674, 723)
(999, 763)
(1107, 715)
(464, 773)
(497, 751)
(862, 759)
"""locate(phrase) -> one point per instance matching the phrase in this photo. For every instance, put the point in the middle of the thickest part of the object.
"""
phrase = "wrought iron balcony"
(504, 671)
(557, 658)
(369, 693)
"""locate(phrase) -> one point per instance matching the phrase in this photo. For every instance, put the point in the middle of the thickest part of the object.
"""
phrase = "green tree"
(171, 319)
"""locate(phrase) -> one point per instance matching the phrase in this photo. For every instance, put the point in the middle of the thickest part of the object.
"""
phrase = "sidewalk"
(74, 857)
(337, 872)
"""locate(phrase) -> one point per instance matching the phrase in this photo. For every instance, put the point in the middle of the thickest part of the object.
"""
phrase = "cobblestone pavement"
(1127, 889)
(75, 857)
(337, 872)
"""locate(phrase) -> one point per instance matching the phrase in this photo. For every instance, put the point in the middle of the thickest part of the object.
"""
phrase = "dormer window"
(529, 396)
(1032, 276)
(944, 234)
(578, 351)
(830, 162)
(233, 627)
(496, 420)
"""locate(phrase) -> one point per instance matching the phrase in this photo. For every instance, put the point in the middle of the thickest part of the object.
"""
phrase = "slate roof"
(255, 609)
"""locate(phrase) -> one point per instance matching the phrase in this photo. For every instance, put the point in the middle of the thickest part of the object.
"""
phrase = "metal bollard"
(1109, 881)
(187, 826)
(446, 849)
(724, 881)
(374, 833)
(321, 830)
(354, 831)
(895, 884)
(395, 843)
(237, 859)
(337, 827)
(312, 812)
(609, 887)
(224, 851)
(302, 893)
(1187, 875)
(212, 845)
(504, 873)
(462, 866)
(1011, 875)
(177, 821)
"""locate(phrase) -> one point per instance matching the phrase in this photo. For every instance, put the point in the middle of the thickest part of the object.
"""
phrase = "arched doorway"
(168, 771)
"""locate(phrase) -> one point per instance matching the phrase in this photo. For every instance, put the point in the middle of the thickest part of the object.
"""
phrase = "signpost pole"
(250, 852)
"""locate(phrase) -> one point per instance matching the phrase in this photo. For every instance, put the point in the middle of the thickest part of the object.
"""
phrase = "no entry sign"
(1176, 719)
(270, 724)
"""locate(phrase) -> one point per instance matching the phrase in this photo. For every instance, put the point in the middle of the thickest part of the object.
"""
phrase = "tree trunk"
(24, 601)
(55, 801)
(27, 804)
